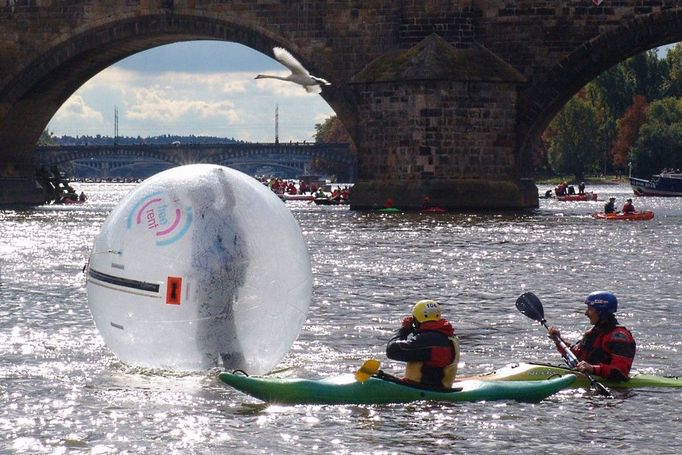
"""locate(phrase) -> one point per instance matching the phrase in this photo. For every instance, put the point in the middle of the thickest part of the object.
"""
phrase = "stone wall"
(437, 130)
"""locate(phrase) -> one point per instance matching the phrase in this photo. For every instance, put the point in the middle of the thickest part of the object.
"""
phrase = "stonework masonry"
(442, 98)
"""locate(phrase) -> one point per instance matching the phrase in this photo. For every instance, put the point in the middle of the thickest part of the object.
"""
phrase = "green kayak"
(540, 371)
(346, 390)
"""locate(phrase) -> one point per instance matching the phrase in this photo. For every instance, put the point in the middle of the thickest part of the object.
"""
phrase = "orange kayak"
(633, 216)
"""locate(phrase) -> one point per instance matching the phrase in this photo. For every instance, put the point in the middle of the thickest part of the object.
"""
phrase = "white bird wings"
(288, 60)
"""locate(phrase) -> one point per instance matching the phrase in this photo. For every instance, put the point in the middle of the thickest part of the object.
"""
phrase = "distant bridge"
(283, 159)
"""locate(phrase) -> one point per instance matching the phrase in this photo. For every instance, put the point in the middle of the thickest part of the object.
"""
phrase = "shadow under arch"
(544, 97)
(40, 88)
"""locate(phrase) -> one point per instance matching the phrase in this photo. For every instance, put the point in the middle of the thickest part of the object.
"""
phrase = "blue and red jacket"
(431, 352)
(609, 347)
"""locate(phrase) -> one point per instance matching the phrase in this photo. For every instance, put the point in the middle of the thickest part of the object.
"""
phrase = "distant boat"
(296, 197)
(664, 184)
(632, 216)
(578, 197)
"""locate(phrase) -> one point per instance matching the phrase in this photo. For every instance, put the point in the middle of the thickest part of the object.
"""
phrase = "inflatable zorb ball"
(200, 266)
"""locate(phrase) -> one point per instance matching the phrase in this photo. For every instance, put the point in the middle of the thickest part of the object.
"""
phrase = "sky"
(195, 87)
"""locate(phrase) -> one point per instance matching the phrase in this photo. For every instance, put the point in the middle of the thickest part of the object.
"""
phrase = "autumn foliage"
(628, 130)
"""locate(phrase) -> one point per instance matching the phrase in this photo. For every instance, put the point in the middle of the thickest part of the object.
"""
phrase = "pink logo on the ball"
(152, 213)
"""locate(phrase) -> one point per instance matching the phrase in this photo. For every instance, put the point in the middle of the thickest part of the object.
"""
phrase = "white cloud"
(219, 103)
(76, 109)
(162, 105)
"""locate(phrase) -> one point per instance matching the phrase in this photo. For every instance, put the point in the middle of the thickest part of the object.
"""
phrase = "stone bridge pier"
(438, 130)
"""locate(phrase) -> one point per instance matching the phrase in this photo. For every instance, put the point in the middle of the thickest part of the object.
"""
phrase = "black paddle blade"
(601, 389)
(529, 304)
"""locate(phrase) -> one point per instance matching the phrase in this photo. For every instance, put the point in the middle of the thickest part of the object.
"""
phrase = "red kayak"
(632, 216)
(578, 197)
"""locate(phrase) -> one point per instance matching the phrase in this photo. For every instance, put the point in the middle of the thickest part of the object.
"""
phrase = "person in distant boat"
(608, 348)
(610, 207)
(628, 207)
(82, 197)
(581, 188)
(428, 345)
(548, 194)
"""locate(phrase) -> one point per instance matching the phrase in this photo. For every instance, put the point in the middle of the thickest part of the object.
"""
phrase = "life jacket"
(610, 347)
(627, 208)
(441, 367)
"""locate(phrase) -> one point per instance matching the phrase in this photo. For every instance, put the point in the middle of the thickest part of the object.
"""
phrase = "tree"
(660, 138)
(673, 83)
(327, 132)
(628, 131)
(596, 96)
(46, 138)
(648, 74)
(331, 131)
(574, 147)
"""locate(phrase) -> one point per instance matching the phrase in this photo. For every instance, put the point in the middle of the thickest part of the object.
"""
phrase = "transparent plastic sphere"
(200, 266)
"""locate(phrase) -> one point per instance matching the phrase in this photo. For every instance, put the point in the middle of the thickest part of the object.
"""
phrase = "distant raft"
(632, 216)
(578, 197)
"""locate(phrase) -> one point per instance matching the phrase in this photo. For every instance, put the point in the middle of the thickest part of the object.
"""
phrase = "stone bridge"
(442, 98)
(291, 158)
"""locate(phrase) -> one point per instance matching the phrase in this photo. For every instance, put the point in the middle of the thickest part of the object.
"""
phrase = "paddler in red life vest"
(428, 344)
(628, 207)
(607, 349)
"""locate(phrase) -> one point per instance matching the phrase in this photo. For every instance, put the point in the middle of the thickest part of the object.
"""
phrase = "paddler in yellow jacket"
(428, 344)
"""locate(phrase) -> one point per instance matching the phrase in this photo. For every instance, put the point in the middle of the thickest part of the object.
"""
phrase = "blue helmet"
(604, 302)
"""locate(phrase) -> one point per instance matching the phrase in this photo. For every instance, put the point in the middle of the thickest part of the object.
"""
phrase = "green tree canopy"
(574, 147)
(660, 139)
(673, 82)
(648, 74)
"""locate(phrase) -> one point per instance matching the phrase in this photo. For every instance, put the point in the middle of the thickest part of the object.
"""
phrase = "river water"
(62, 390)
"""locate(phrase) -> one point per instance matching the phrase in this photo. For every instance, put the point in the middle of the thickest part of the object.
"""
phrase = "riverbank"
(589, 180)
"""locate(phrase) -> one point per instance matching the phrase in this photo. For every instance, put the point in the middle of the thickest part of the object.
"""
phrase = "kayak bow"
(540, 371)
(345, 389)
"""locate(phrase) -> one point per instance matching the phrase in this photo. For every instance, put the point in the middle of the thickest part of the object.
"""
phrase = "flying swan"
(299, 75)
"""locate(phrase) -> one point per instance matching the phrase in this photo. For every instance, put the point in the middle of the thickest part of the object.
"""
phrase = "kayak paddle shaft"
(530, 305)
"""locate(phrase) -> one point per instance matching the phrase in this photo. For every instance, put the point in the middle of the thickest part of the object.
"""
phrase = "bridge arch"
(543, 100)
(45, 83)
